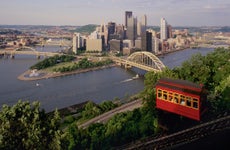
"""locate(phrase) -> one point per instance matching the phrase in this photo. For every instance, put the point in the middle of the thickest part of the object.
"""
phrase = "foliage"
(87, 29)
(92, 110)
(151, 78)
(213, 71)
(25, 126)
(51, 61)
(121, 129)
(83, 64)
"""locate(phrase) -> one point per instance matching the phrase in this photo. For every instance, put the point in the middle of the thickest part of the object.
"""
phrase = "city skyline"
(82, 12)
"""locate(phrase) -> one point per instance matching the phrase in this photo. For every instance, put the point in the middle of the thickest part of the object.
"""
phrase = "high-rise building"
(146, 41)
(169, 31)
(77, 42)
(128, 14)
(130, 32)
(111, 29)
(143, 23)
(115, 45)
(120, 31)
(163, 29)
(104, 35)
(139, 29)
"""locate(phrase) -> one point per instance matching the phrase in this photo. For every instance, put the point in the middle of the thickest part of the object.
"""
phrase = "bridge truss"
(25, 50)
(146, 59)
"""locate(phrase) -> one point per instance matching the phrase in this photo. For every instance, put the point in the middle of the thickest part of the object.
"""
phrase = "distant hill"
(86, 29)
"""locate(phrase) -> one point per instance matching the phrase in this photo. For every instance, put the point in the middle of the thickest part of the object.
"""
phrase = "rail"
(182, 137)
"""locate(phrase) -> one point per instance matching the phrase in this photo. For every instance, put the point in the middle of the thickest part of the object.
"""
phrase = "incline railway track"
(182, 137)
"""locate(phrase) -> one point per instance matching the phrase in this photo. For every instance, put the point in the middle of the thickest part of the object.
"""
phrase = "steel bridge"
(142, 60)
(25, 50)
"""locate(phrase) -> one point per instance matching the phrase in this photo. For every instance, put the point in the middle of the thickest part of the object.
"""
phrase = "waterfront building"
(156, 49)
(127, 43)
(131, 29)
(104, 35)
(94, 45)
(115, 45)
(94, 35)
(169, 31)
(111, 30)
(76, 42)
(146, 41)
(163, 32)
(138, 43)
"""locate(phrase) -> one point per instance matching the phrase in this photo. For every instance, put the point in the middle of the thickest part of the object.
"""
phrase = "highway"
(106, 116)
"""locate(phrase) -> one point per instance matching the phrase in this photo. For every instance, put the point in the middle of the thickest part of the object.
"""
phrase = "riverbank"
(171, 51)
(42, 74)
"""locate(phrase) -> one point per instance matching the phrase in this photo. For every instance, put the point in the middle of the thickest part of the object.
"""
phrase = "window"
(188, 101)
(195, 103)
(170, 94)
(182, 99)
(159, 93)
(176, 98)
(165, 95)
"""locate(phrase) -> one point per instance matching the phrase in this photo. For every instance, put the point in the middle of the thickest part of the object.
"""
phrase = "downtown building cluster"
(133, 36)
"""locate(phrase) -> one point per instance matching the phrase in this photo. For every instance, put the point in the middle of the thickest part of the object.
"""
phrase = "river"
(60, 92)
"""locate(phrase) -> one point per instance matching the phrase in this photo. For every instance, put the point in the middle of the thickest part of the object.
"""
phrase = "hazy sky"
(82, 12)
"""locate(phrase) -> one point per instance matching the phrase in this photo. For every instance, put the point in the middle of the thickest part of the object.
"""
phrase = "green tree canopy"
(25, 126)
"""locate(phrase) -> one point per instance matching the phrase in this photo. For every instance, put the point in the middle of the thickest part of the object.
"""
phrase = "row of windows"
(177, 98)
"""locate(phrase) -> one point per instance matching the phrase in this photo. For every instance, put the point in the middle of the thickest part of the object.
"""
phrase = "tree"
(25, 126)
(151, 78)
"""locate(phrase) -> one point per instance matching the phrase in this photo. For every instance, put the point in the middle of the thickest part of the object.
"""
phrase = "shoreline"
(47, 75)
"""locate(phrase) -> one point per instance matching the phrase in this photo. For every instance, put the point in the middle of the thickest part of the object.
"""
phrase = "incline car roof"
(181, 83)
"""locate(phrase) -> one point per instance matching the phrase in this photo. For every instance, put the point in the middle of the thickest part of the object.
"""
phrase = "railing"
(182, 137)
(128, 64)
(36, 53)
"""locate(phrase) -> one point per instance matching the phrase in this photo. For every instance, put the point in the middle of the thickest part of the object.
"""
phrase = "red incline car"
(182, 97)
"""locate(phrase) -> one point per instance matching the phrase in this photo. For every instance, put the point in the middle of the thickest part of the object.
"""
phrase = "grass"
(64, 64)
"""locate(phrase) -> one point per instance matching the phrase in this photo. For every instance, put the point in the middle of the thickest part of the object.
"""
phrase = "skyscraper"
(146, 41)
(128, 14)
(169, 31)
(143, 23)
(111, 29)
(163, 29)
(77, 42)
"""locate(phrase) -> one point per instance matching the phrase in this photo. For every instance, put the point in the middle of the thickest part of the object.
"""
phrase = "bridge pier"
(38, 56)
(127, 66)
(12, 56)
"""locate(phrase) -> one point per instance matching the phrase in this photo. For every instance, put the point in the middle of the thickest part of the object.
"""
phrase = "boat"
(136, 77)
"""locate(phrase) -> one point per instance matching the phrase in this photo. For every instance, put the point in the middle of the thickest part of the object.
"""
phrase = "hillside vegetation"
(86, 29)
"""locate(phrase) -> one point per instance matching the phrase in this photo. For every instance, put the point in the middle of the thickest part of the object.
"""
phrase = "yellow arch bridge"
(24, 50)
(142, 60)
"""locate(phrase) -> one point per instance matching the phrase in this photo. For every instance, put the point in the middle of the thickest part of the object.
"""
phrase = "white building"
(155, 45)
(77, 42)
(163, 29)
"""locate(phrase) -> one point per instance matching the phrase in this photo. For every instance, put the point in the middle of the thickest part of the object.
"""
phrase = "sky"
(83, 12)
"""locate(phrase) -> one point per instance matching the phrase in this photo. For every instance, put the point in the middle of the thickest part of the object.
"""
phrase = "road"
(106, 116)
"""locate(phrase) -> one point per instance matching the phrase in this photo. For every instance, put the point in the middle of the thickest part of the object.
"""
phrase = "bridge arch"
(25, 47)
(148, 59)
